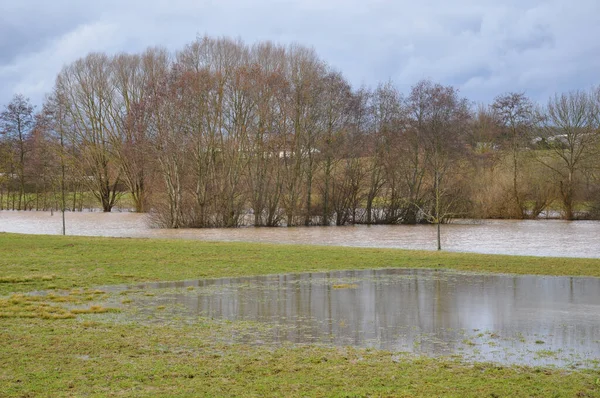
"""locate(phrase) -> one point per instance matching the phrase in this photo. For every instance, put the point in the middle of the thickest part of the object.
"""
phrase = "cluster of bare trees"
(226, 134)
(552, 153)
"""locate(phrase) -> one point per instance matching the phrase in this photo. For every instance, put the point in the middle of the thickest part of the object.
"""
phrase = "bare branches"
(571, 133)
(518, 117)
(222, 134)
(16, 123)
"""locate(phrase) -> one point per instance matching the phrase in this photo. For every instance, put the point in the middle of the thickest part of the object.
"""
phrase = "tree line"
(223, 134)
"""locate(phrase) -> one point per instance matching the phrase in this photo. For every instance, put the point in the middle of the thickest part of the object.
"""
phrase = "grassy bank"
(47, 350)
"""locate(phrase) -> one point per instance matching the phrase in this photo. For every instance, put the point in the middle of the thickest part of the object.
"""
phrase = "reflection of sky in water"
(529, 237)
(513, 319)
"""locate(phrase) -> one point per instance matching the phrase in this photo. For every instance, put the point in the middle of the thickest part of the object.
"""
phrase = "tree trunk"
(516, 195)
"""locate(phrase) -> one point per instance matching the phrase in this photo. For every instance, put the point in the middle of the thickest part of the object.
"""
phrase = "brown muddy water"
(531, 237)
(528, 320)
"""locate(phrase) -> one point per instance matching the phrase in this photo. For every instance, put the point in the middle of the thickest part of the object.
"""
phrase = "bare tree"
(6, 164)
(517, 114)
(384, 107)
(300, 130)
(86, 87)
(412, 151)
(17, 122)
(239, 120)
(336, 102)
(571, 132)
(264, 175)
(164, 120)
(391, 120)
(205, 88)
(129, 144)
(444, 123)
(54, 123)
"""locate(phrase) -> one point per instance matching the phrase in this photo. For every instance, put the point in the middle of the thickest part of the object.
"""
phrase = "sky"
(483, 47)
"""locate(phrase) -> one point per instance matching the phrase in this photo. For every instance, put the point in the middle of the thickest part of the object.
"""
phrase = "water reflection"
(530, 237)
(510, 319)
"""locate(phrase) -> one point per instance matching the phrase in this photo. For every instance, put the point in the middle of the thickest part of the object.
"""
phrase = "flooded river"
(508, 319)
(531, 237)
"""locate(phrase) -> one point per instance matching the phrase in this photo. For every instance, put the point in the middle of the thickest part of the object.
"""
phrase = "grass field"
(48, 349)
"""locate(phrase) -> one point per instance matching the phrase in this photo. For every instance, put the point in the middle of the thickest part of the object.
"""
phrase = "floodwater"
(529, 320)
(530, 237)
(532, 320)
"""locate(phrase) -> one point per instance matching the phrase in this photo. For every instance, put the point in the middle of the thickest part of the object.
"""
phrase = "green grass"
(74, 358)
(40, 262)
(49, 349)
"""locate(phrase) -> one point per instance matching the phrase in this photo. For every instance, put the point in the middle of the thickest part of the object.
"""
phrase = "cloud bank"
(480, 46)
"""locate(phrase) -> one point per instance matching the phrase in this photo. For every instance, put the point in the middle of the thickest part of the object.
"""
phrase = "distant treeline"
(222, 134)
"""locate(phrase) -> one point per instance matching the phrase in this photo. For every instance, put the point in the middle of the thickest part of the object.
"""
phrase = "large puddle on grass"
(509, 319)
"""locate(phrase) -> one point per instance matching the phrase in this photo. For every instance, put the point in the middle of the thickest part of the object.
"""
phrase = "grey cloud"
(484, 47)
(28, 26)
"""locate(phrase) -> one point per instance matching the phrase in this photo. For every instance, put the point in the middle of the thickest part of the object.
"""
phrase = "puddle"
(529, 320)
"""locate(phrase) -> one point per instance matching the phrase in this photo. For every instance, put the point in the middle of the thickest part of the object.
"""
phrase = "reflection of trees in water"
(419, 311)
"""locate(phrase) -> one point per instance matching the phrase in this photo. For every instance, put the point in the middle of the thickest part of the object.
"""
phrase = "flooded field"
(506, 319)
(531, 237)
(533, 320)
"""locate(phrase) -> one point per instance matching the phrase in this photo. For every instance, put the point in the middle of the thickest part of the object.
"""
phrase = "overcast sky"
(484, 47)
